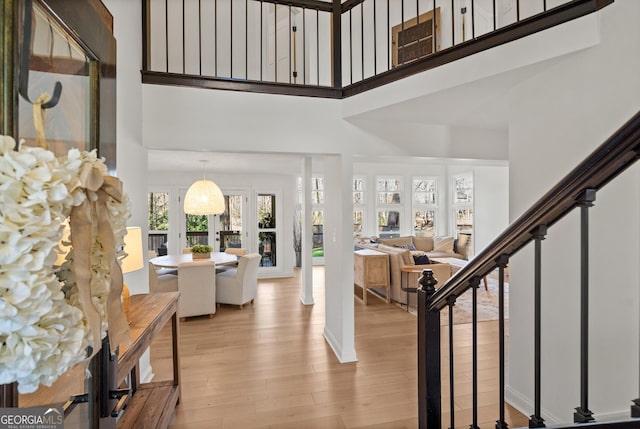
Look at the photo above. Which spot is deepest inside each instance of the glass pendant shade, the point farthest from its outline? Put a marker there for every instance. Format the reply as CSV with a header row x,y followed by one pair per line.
x,y
204,198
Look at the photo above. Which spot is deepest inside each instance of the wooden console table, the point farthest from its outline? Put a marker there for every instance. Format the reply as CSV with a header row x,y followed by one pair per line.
x,y
371,269
151,404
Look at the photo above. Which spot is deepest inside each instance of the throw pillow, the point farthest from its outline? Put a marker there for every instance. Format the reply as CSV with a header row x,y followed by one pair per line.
x,y
421,259
443,244
409,246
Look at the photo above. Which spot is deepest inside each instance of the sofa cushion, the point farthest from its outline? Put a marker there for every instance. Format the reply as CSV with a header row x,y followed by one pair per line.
x,y
397,241
443,244
423,243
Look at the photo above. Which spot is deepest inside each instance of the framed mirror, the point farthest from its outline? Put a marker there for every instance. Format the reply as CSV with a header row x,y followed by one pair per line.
x,y
64,52
64,48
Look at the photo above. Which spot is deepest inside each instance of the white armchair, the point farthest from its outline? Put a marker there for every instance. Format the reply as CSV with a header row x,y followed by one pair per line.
x,y
161,282
239,285
197,286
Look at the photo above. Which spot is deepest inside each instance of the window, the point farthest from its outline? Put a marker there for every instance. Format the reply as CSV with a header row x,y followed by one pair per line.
x,y
357,223
388,223
158,212
463,210
317,247
358,191
266,204
463,189
358,205
317,190
424,206
389,191
317,203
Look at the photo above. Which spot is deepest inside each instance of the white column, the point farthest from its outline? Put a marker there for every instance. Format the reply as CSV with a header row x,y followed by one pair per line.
x,y
306,288
338,246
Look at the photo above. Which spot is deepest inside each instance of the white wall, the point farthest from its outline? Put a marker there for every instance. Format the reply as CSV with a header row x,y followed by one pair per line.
x,y
490,200
557,118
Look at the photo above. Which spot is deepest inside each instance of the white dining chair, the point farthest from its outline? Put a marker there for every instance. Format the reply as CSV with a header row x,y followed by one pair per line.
x,y
161,282
197,286
239,285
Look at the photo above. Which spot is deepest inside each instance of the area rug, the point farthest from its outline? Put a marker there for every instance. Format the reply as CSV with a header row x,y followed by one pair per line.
x,y
487,305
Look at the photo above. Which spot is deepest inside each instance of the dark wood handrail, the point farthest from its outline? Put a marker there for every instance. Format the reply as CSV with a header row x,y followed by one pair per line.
x,y
610,159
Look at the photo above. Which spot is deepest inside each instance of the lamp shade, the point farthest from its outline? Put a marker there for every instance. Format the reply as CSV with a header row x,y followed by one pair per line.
x,y
133,261
204,198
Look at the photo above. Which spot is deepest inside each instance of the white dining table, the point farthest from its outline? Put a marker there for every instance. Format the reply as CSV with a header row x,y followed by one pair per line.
x,y
172,261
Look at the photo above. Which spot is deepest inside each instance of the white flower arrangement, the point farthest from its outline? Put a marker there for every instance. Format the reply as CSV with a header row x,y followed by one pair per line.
x,y
42,332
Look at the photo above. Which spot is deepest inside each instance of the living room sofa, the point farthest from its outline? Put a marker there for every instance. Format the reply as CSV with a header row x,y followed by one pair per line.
x,y
434,247
401,251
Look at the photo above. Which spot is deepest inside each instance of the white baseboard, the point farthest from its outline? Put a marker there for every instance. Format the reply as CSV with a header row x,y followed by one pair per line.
x,y
526,406
611,417
306,300
337,348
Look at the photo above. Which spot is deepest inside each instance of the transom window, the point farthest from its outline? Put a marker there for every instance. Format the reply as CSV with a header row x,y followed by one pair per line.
x,y
389,191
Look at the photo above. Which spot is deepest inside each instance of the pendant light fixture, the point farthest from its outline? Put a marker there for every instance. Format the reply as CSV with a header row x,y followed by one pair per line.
x,y
204,197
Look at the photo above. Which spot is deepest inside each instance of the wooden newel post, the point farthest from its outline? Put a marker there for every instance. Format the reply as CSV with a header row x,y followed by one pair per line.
x,y
429,377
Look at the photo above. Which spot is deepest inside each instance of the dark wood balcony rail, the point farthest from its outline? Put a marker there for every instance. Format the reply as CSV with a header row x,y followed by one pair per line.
x,y
292,47
576,190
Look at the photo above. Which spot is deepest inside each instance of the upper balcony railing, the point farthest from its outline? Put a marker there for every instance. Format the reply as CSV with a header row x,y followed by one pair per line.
x,y
293,47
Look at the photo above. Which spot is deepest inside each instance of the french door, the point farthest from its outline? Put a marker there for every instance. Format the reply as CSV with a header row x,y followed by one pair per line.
x,y
230,226
218,231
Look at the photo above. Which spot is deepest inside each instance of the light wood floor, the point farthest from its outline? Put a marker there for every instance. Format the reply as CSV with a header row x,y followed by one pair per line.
x,y
268,366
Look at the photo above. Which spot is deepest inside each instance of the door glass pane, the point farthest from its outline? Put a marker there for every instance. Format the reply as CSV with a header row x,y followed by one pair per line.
x,y
231,222
158,210
317,247
197,230
267,229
